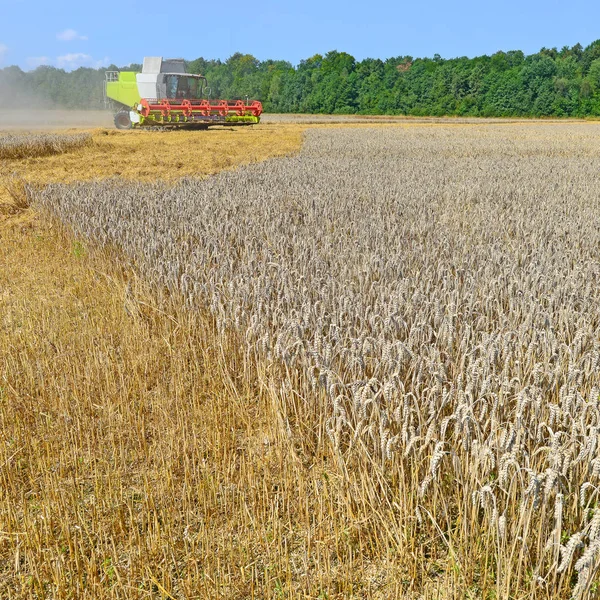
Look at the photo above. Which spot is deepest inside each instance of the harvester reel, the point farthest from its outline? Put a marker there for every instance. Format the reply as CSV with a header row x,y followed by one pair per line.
x,y
186,108
145,110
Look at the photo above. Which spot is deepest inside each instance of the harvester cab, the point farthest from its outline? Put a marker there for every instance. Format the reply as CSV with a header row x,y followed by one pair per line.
x,y
164,95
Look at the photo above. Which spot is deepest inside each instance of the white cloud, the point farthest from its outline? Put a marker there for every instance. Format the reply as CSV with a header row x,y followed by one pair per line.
x,y
73,60
70,35
78,59
36,61
3,51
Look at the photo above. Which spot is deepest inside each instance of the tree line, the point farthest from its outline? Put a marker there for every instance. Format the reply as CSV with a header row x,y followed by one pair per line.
x,y
552,82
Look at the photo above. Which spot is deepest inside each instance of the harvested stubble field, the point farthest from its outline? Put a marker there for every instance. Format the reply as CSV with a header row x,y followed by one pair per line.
x,y
368,370
140,155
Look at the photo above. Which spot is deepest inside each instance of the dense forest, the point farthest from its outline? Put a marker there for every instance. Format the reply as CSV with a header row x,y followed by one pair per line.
x,y
552,82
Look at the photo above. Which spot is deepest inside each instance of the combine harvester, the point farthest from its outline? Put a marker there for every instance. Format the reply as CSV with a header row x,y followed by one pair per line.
x,y
164,95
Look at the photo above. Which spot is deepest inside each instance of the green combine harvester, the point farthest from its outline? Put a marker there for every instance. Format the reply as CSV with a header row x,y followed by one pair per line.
x,y
164,95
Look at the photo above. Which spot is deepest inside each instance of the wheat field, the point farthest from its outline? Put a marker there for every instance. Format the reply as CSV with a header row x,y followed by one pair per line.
x,y
36,145
366,370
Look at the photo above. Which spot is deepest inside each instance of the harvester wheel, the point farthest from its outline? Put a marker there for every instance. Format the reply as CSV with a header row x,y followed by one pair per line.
x,y
122,120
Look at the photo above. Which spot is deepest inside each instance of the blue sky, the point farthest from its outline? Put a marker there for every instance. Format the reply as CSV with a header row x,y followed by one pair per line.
x,y
69,34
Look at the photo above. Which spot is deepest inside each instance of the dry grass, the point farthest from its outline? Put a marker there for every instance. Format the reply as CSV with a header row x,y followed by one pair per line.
x,y
15,190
